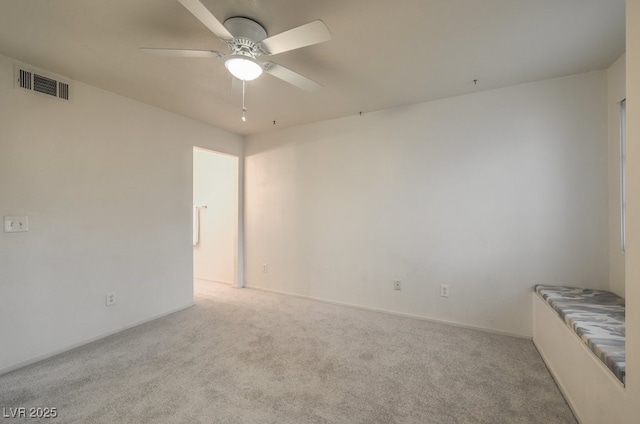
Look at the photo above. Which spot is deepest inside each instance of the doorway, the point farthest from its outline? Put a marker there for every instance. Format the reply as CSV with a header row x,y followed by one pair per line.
x,y
215,217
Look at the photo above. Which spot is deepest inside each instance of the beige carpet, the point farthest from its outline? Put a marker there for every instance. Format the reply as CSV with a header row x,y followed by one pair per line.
x,y
245,356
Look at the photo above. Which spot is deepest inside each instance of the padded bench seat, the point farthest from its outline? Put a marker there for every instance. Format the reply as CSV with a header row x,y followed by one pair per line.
x,y
597,317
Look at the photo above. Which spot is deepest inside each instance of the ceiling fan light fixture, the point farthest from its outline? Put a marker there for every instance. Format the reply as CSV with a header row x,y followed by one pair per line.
x,y
243,67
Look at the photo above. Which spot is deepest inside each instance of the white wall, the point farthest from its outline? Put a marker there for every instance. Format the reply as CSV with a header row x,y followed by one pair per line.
x,y
107,185
616,92
490,193
215,184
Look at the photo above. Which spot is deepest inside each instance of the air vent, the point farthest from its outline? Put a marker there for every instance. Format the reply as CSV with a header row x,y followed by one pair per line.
x,y
63,90
41,82
45,85
25,79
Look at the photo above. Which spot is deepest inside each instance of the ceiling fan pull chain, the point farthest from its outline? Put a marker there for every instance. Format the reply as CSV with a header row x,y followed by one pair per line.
x,y
244,108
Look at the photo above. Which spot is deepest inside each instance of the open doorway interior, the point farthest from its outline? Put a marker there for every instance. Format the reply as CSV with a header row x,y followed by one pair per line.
x,y
215,218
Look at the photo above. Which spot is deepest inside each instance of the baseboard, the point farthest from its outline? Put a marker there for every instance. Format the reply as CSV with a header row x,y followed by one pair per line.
x,y
72,346
395,313
227,283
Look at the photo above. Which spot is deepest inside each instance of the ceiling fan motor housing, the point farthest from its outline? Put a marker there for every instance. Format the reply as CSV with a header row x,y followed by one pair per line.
x,y
247,35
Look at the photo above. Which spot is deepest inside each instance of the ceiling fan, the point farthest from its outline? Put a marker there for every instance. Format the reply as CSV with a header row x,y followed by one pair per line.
x,y
247,40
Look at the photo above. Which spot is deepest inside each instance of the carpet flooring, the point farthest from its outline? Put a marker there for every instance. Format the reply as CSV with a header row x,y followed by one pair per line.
x,y
246,356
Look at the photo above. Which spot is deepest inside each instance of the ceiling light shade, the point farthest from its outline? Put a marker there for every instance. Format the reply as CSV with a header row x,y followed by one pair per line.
x,y
243,67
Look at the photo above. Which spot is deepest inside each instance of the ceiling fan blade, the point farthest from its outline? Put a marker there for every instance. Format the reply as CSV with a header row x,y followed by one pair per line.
x,y
293,78
182,52
198,10
306,35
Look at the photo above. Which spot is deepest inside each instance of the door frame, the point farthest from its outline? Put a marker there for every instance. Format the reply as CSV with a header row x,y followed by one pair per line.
x,y
238,260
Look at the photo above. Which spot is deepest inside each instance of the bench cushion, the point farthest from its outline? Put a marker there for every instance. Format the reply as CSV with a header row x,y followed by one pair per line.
x,y
597,317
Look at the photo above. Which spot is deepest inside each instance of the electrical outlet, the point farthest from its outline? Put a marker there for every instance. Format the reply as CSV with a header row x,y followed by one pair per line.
x,y
16,223
265,268
397,284
444,290
111,299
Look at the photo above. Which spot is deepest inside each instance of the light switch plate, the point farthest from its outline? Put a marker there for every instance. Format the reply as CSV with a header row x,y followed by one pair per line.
x,y
16,223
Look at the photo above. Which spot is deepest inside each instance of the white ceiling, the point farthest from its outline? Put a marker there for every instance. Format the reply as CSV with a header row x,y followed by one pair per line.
x,y
383,54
